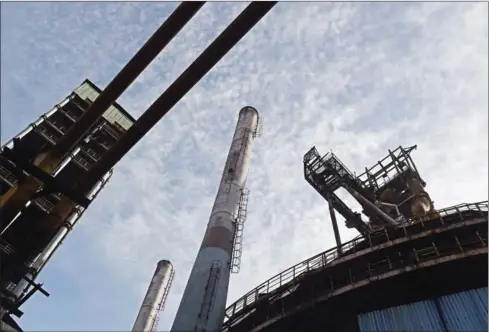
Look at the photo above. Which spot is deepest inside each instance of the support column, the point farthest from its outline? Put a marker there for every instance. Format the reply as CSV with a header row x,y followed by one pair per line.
x,y
335,225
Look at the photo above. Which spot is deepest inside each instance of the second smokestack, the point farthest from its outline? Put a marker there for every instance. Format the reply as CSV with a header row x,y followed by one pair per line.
x,y
155,297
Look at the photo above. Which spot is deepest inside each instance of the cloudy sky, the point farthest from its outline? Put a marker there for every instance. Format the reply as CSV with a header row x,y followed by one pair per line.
x,y
355,78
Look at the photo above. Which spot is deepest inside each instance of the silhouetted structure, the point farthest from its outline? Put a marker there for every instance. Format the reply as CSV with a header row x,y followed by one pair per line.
x,y
413,268
23,255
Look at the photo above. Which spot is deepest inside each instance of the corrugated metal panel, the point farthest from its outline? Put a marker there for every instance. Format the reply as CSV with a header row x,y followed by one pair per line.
x,y
419,316
465,311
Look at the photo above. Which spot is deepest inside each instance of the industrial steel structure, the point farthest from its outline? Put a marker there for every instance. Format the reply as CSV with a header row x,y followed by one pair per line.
x,y
155,298
413,268
36,173
410,260
29,241
204,299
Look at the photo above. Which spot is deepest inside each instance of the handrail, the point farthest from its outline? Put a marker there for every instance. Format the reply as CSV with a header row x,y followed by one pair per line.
x,y
326,257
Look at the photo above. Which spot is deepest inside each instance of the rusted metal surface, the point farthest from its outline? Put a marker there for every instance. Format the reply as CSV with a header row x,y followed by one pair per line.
x,y
18,196
219,237
145,55
463,215
302,307
224,42
203,303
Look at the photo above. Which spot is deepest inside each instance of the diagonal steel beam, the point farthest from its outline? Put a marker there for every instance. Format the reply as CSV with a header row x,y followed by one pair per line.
x,y
17,197
203,64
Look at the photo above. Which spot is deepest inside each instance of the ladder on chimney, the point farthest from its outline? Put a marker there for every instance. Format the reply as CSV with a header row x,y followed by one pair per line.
x,y
238,231
161,305
258,131
210,290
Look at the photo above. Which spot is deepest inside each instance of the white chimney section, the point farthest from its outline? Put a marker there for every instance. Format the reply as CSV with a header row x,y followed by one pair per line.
x,y
204,299
154,300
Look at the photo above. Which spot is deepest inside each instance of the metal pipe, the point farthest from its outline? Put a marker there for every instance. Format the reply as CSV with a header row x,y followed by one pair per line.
x,y
392,206
13,201
67,160
30,127
223,43
155,297
335,225
43,258
211,55
46,255
371,205
146,54
75,152
57,170
203,302
248,18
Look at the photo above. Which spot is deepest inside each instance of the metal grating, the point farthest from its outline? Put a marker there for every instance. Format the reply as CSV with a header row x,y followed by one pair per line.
x,y
7,176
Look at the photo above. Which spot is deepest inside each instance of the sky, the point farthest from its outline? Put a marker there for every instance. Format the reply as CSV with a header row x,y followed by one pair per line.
x,y
354,78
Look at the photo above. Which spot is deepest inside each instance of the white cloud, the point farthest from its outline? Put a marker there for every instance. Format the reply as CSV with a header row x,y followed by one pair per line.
x,y
356,78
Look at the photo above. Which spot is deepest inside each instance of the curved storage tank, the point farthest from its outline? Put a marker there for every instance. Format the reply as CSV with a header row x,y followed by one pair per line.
x,y
428,275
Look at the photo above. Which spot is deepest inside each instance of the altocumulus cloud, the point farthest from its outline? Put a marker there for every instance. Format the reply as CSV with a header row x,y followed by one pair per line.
x,y
356,78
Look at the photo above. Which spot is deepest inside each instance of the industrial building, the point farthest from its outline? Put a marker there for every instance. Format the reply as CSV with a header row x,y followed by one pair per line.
x,y
53,170
412,268
28,242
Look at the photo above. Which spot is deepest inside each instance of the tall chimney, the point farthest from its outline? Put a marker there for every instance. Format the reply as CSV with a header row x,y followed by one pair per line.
x,y
155,297
204,299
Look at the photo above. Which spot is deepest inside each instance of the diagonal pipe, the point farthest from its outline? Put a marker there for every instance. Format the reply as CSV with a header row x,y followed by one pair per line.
x,y
17,197
250,16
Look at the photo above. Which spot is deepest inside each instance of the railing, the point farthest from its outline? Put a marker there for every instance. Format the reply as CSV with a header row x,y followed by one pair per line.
x,y
44,204
336,282
6,247
330,255
46,134
109,130
7,176
82,162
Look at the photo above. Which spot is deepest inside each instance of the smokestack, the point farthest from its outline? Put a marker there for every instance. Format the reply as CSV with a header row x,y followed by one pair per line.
x,y
154,300
204,299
